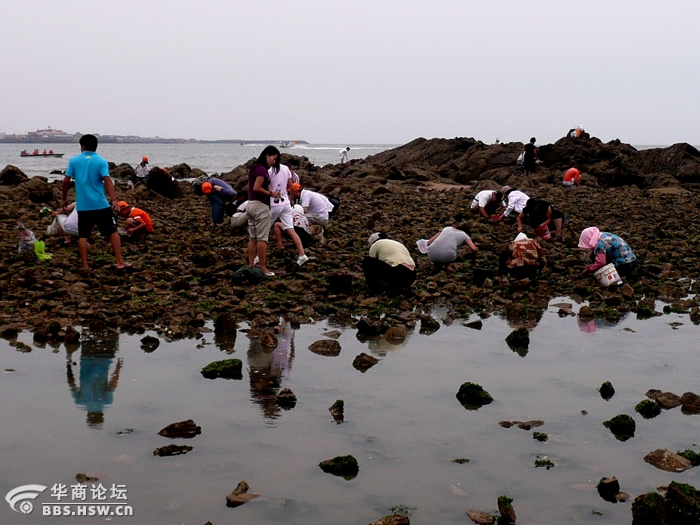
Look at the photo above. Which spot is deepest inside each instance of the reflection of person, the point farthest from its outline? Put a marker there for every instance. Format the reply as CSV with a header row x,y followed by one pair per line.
x,y
443,246
606,248
530,159
96,387
343,154
219,193
524,258
389,266
91,174
486,203
258,211
268,368
539,213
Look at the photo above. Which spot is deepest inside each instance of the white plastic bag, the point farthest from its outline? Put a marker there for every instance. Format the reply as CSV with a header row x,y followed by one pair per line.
x,y
26,241
54,229
521,159
422,245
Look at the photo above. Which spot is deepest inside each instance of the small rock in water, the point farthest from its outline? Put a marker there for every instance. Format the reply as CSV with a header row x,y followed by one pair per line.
x,y
528,425
226,368
326,347
172,450
335,334
475,325
395,335
606,390
505,507
337,410
666,460
480,518
473,396
460,461
343,466
84,478
691,403
268,340
397,519
240,495
622,427
286,398
183,430
364,362
149,343
428,325
608,488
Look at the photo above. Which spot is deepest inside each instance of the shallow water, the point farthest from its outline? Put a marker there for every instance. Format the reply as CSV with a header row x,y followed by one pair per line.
x,y
211,158
403,423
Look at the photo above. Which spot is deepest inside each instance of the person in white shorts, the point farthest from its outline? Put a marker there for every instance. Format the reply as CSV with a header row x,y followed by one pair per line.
x,y
281,209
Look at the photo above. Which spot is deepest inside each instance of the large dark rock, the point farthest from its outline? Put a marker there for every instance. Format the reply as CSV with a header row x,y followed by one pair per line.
x,y
180,171
162,183
122,171
12,176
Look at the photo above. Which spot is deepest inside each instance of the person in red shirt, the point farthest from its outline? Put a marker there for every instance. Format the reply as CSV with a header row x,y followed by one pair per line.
x,y
137,221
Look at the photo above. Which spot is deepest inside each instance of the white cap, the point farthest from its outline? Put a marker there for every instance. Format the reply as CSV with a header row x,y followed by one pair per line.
x,y
373,238
298,208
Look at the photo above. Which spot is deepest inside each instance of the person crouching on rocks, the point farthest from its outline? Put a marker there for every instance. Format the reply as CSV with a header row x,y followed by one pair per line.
x,y
443,246
487,203
516,202
388,266
317,207
572,176
219,194
606,248
524,258
539,214
138,223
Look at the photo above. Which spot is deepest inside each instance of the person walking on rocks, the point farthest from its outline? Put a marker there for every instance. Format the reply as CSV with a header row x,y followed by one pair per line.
x,y
91,175
443,246
606,248
258,210
388,266
530,159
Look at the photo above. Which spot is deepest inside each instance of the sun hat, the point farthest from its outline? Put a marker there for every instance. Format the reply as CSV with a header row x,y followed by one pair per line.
x,y
373,238
206,188
589,238
504,189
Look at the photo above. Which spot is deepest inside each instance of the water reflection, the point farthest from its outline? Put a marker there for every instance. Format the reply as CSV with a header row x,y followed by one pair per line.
x,y
591,326
268,367
95,387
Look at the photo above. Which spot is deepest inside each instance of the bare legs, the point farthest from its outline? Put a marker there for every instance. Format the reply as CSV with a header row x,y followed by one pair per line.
x,y
116,248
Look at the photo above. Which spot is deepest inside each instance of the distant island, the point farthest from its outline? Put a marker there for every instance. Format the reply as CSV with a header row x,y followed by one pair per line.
x,y
53,136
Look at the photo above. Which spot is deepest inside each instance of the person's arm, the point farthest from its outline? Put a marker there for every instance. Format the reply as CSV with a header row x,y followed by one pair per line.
x,y
433,238
549,217
482,212
140,226
109,186
65,186
473,250
258,188
599,262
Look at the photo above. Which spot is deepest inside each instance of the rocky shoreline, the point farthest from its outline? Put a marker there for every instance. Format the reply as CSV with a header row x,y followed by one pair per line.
x,y
183,273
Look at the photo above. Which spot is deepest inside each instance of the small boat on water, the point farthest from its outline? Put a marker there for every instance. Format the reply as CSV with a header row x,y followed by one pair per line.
x,y
36,153
289,144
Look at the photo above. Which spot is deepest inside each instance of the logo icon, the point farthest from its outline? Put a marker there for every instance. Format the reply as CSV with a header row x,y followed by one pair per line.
x,y
22,495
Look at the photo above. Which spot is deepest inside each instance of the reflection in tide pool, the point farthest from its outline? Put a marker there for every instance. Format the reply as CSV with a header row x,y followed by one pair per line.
x,y
403,422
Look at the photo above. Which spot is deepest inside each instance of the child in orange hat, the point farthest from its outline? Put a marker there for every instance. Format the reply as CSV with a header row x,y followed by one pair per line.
x,y
137,221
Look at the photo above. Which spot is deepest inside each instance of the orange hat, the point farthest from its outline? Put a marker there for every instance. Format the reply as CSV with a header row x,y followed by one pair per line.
x,y
145,159
206,188
296,186
123,204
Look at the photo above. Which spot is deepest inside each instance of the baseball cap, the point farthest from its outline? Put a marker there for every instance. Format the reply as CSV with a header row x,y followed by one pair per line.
x,y
296,186
145,159
206,188
123,204
373,238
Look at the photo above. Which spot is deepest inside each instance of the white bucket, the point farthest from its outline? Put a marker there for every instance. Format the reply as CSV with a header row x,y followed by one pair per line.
x,y
607,275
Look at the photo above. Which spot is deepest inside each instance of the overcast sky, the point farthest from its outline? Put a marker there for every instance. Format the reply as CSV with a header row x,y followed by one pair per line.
x,y
363,71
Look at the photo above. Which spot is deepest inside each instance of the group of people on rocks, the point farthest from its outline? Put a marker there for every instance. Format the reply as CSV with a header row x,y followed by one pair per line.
x,y
269,204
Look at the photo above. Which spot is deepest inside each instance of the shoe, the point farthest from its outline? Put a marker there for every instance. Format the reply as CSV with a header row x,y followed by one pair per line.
x,y
270,274
303,259
256,260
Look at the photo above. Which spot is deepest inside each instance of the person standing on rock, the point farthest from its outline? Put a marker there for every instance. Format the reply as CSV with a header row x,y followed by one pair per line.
x,y
487,202
219,194
343,154
443,246
258,210
388,266
530,160
91,174
280,208
141,173
606,248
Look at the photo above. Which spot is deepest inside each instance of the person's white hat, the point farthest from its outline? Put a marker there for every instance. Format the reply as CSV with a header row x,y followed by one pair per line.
x,y
373,238
298,208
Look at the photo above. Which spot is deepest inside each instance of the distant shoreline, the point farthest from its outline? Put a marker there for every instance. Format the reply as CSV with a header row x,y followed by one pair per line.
x,y
118,139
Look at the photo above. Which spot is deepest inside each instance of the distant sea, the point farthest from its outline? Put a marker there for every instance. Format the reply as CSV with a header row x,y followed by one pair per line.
x,y
210,158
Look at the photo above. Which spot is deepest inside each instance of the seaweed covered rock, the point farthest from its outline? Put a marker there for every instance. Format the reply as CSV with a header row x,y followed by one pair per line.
x,y
505,508
172,450
396,519
518,339
682,503
337,410
182,429
226,368
606,390
343,466
472,396
649,509
622,426
648,409
12,176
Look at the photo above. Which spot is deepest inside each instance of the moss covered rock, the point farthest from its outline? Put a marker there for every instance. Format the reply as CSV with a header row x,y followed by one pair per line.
x,y
518,339
648,409
622,426
343,466
606,390
473,396
226,368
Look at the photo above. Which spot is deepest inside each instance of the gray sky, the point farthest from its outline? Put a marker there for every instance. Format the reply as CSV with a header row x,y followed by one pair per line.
x,y
364,71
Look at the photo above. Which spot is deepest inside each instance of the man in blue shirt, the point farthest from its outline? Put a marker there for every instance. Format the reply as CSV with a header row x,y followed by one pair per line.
x,y
91,174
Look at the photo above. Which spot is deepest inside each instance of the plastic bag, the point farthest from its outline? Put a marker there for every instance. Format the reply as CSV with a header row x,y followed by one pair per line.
x,y
54,229
422,245
521,159
26,240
